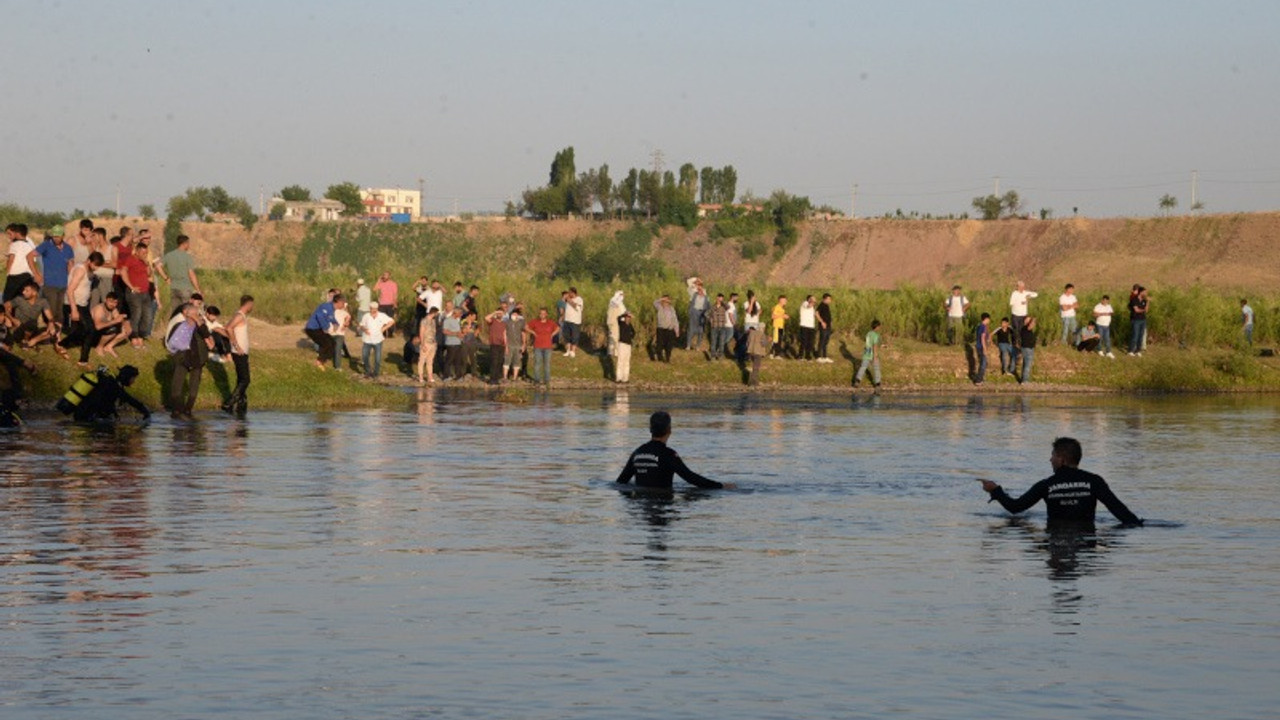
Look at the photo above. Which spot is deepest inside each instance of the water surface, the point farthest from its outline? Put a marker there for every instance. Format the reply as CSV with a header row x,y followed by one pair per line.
x,y
472,559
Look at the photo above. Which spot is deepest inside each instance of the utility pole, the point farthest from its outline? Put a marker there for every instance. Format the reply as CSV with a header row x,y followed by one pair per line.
x,y
853,202
997,191
657,163
1195,178
422,197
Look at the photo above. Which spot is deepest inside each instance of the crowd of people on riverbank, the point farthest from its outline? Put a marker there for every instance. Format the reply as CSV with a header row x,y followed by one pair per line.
x,y
449,331
92,294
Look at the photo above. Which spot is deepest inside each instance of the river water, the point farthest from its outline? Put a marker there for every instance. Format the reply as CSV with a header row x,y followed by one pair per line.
x,y
469,558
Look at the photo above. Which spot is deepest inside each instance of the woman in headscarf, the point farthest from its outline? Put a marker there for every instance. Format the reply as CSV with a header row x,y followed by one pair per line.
x,y
617,308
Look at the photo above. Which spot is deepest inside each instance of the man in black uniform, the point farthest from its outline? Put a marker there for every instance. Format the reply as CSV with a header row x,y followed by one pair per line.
x,y
653,463
1071,495
102,401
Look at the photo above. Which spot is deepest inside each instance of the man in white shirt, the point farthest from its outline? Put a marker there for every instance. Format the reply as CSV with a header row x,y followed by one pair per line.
x,y
22,262
572,322
434,297
373,329
1102,313
957,305
364,298
808,327
1067,303
1018,301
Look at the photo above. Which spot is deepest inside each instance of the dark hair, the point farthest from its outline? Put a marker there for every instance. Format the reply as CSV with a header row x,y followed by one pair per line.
x,y
826,295
111,296
96,258
87,223
197,296
213,311
875,324
985,316
100,231
31,284
1004,319
1106,297
660,423
339,296
1068,286
246,299
18,228
181,240
1069,449
573,290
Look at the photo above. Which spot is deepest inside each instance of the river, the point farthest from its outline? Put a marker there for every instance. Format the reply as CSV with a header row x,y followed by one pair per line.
x,y
469,558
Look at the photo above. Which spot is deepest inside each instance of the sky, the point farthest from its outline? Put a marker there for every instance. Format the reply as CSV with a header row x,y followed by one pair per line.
x,y
1092,107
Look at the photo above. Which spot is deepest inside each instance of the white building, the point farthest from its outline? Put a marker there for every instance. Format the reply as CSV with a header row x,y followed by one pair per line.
x,y
307,210
385,202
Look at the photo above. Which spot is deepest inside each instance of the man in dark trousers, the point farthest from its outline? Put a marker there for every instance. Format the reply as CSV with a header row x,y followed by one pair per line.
x,y
653,464
1071,494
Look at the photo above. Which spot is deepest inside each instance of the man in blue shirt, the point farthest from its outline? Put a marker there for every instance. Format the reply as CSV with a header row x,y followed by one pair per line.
x,y
56,257
319,324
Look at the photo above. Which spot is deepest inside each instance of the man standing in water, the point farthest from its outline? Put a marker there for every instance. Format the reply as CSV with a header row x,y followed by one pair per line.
x,y
1071,494
653,464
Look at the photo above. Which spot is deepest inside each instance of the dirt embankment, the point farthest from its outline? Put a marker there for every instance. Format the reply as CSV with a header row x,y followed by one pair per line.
x,y
1226,252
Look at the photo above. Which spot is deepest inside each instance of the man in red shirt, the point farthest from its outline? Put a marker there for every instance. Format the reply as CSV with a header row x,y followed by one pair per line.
x,y
544,330
136,275
497,342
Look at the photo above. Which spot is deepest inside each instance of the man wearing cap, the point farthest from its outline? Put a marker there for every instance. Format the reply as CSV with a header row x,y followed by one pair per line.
x,y
364,298
56,259
653,464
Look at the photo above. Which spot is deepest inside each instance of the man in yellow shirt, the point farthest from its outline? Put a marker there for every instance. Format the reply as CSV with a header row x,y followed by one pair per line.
x,y
780,326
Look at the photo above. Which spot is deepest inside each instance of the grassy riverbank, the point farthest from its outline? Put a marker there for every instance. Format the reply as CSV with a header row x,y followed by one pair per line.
x,y
282,380
287,379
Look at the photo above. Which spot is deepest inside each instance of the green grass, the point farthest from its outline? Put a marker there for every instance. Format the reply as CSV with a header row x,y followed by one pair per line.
x,y
282,380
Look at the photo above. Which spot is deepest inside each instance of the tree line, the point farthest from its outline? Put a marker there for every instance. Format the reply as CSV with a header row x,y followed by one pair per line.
x,y
672,197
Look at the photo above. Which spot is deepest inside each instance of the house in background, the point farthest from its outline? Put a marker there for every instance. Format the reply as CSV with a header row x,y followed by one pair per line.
x,y
394,204
309,210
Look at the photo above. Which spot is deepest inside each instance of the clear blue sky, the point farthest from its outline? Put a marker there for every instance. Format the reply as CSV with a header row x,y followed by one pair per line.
x,y
1103,106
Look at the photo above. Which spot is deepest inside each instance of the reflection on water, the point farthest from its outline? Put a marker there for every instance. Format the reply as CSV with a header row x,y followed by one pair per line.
x,y
377,564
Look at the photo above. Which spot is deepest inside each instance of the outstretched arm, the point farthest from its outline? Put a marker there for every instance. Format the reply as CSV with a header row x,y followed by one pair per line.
x,y
1015,505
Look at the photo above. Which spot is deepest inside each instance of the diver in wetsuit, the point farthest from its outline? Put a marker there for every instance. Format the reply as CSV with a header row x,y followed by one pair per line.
x,y
1071,495
653,464
101,403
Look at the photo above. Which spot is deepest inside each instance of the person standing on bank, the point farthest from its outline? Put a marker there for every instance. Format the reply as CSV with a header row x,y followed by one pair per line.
x,y
757,347
374,329
653,464
180,267
622,357
824,328
1071,495
188,344
1027,348
1018,301
957,306
981,345
238,331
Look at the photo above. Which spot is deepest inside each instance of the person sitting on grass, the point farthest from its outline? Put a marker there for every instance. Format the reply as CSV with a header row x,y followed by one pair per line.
x,y
25,312
110,326
1089,338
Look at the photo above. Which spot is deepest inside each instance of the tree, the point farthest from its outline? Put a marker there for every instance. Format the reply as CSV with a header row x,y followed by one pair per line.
x,y
147,211
628,190
787,211
277,211
689,181
650,186
706,188
295,193
994,207
1168,203
172,229
582,195
726,185
604,190
562,170
347,193
544,203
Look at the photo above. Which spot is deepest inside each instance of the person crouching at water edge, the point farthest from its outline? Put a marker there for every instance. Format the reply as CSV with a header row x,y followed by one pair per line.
x,y
653,464
1071,495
